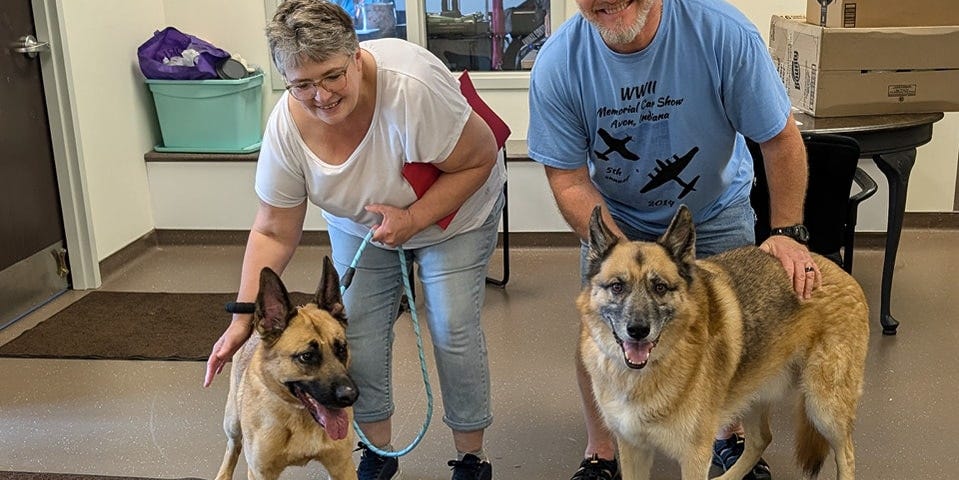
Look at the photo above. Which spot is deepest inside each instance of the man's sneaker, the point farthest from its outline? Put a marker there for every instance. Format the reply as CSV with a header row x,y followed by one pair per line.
x,y
376,467
471,468
726,452
595,468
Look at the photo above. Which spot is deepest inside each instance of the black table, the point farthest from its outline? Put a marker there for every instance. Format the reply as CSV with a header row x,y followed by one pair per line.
x,y
891,142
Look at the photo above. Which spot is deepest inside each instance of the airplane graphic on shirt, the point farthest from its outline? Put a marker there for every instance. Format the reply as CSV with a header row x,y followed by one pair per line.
x,y
667,171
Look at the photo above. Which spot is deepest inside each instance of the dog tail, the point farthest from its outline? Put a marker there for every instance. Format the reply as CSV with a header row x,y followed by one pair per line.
x,y
811,446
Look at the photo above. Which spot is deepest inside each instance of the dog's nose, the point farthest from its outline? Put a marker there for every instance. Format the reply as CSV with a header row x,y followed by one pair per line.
x,y
346,395
637,331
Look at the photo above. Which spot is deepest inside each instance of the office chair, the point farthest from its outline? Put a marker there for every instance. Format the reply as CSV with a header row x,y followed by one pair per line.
x,y
830,212
501,131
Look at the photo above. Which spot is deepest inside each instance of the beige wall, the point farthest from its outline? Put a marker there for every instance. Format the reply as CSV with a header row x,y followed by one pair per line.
x,y
116,120
117,125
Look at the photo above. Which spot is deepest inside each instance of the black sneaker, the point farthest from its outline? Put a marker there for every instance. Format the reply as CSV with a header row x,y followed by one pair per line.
x,y
595,468
471,468
726,452
376,467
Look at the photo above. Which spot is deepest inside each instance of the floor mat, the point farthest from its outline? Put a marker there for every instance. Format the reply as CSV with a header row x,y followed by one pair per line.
x,y
67,476
131,326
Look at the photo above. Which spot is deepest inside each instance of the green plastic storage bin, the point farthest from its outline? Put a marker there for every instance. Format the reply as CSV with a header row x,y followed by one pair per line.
x,y
209,116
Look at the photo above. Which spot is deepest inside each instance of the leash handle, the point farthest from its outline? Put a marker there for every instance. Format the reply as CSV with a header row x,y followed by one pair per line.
x,y
240,307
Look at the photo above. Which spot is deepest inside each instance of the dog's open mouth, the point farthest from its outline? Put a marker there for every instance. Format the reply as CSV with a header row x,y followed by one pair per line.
x,y
636,354
334,420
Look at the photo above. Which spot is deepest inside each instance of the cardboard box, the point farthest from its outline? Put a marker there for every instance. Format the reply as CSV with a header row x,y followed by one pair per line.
x,y
832,72
884,13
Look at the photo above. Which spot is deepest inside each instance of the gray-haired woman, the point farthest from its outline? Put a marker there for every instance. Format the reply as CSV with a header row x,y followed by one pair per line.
x,y
353,117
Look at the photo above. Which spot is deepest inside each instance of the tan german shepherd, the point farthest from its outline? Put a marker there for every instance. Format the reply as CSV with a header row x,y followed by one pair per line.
x,y
677,347
290,390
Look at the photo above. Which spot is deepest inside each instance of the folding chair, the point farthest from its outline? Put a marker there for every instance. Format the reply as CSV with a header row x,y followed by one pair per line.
x,y
501,132
830,211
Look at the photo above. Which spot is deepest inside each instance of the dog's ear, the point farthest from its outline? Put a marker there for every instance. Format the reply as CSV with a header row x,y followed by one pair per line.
x,y
680,240
273,306
328,295
601,240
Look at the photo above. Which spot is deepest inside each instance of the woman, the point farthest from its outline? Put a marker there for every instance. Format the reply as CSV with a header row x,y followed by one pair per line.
x,y
352,117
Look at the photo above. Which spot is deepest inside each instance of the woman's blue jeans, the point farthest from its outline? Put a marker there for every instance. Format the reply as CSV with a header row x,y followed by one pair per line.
x,y
453,278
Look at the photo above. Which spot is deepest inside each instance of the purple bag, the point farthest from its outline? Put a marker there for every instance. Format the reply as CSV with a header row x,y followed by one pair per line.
x,y
170,43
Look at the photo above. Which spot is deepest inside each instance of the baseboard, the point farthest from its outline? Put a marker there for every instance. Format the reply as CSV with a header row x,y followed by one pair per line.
x,y
320,238
931,220
125,255
155,238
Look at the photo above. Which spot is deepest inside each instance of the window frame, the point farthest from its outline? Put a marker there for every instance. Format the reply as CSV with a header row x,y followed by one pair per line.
x,y
416,33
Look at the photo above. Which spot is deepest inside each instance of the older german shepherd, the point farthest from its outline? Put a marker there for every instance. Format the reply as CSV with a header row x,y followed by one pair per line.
x,y
677,348
290,391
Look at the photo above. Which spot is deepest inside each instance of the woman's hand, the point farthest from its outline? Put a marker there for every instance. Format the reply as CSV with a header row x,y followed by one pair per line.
x,y
397,226
224,348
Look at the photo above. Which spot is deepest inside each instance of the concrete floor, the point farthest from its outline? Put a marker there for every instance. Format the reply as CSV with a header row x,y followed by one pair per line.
x,y
154,419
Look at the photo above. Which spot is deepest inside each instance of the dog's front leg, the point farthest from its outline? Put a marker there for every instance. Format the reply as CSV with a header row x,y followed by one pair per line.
x,y
635,459
339,463
695,460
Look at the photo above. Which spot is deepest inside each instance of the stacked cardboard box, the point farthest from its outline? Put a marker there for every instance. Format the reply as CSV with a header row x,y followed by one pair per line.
x,y
882,13
833,72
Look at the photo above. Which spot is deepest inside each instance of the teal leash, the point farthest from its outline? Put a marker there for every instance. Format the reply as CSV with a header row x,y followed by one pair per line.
x,y
344,283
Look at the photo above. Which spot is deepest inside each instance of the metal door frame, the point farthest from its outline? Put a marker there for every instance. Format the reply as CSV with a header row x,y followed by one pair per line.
x,y
68,159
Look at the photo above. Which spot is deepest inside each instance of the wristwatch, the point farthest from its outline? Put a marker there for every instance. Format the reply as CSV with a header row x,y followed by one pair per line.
x,y
797,232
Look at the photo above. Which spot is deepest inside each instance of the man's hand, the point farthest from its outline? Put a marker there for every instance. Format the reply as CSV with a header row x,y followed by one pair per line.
x,y
798,263
224,348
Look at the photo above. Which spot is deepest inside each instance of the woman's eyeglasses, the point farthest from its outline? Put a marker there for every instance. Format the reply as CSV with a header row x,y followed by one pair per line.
x,y
334,82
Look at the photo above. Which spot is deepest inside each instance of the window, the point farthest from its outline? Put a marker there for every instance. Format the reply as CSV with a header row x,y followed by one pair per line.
x,y
477,35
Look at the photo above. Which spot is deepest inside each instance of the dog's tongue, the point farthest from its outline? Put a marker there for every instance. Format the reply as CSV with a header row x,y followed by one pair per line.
x,y
333,420
637,353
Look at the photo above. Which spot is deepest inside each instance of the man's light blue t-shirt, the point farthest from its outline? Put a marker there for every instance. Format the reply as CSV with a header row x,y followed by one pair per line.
x,y
663,126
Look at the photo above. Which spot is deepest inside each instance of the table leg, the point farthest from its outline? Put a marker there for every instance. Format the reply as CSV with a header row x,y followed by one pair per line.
x,y
896,167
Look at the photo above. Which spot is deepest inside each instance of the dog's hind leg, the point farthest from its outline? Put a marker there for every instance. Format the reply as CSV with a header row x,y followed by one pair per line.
x,y
635,461
758,437
826,420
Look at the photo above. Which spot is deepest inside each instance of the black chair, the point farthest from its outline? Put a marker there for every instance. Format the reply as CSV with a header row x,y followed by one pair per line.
x,y
830,211
501,131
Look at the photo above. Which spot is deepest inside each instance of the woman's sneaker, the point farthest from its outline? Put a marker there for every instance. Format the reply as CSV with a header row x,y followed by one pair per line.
x,y
471,468
595,468
376,467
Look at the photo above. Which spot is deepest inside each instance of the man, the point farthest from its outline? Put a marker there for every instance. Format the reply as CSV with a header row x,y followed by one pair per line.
x,y
643,105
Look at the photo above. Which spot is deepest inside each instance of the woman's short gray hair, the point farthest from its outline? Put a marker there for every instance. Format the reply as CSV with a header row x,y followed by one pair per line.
x,y
304,31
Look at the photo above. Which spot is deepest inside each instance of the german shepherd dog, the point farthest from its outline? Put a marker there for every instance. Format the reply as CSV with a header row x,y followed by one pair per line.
x,y
290,391
677,348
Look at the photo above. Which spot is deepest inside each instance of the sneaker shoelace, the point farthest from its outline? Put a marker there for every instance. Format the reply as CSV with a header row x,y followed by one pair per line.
x,y
468,467
371,464
595,468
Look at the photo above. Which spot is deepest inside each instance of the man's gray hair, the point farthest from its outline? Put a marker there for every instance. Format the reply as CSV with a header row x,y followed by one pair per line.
x,y
304,31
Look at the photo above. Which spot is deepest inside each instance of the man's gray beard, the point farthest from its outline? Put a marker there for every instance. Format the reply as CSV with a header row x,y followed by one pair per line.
x,y
622,37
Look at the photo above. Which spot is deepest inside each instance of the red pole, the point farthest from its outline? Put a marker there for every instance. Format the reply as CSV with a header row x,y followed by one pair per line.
x,y
499,32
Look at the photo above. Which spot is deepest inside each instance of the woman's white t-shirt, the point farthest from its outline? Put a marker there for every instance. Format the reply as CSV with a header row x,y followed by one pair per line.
x,y
419,116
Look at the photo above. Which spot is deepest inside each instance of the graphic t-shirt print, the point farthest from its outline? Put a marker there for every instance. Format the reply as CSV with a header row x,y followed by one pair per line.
x,y
632,146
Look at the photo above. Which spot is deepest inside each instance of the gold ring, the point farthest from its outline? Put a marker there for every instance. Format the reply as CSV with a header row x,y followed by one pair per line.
x,y
810,269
